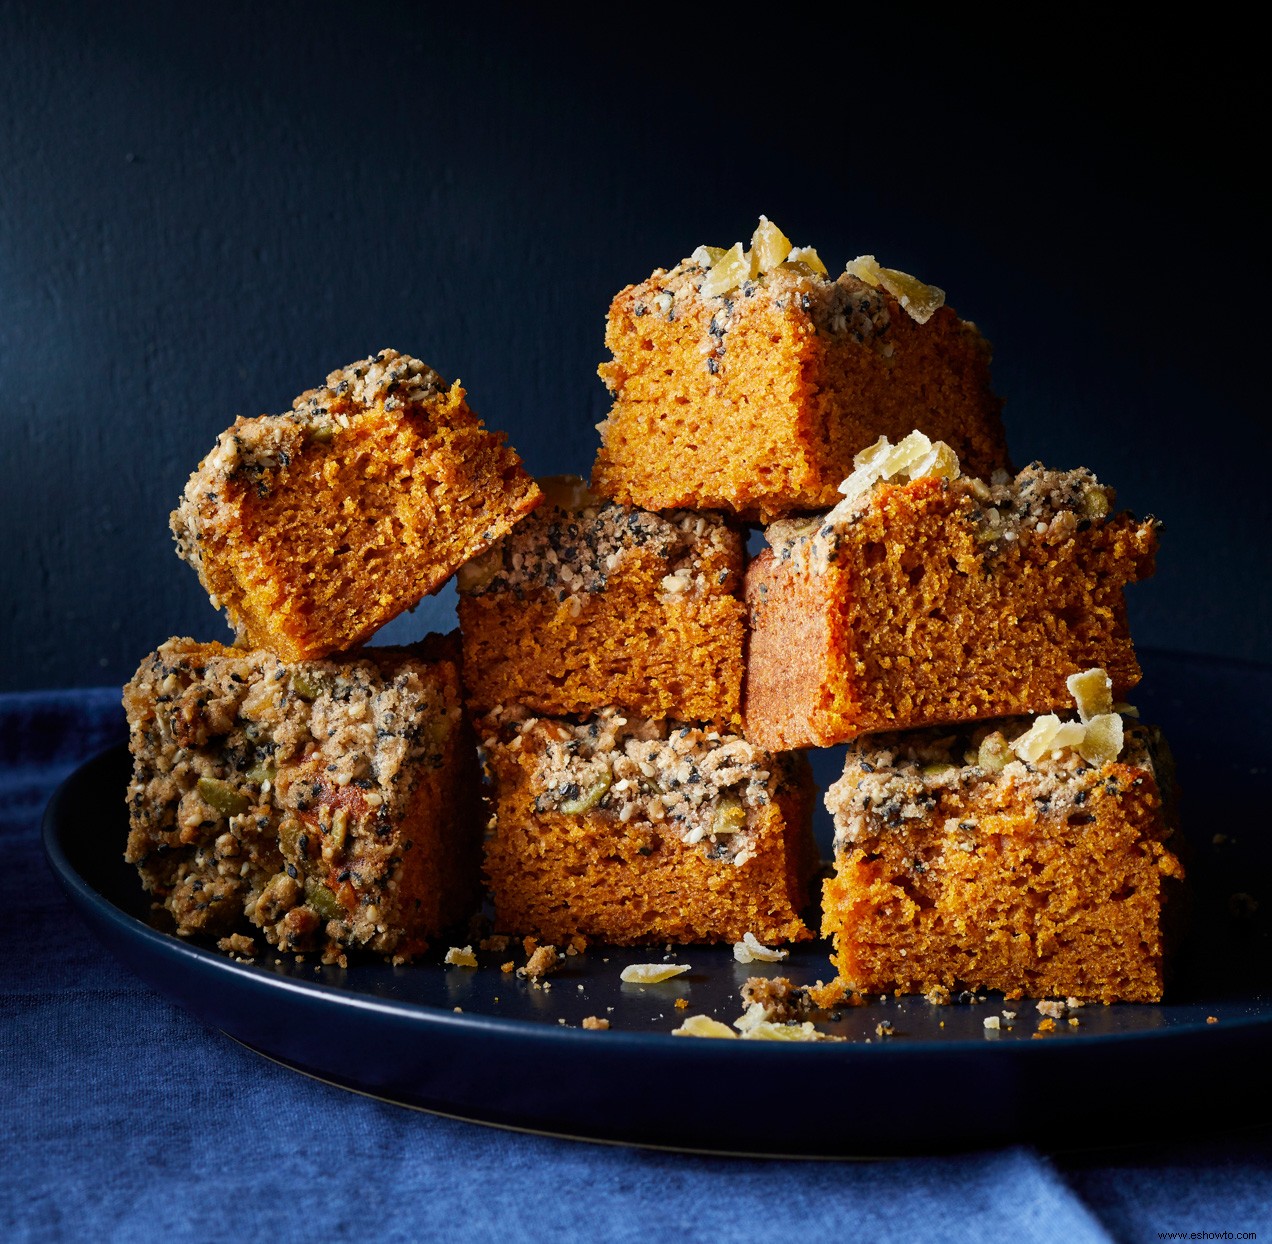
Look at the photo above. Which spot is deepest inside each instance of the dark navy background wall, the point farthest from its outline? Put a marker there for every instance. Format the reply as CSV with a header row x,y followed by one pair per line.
x,y
203,209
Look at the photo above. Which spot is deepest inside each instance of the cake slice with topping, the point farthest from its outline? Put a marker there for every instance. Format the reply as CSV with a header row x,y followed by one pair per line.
x,y
588,602
1037,856
314,528
745,379
631,830
928,596
324,805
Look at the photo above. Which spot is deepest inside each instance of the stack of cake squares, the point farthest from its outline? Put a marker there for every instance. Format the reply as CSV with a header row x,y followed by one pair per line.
x,y
297,786
618,737
646,702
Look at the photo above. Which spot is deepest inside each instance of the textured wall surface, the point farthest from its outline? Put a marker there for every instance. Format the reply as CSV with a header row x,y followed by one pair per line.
x,y
205,209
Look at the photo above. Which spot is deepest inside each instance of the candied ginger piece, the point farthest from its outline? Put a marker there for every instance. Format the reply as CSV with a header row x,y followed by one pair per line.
x,y
914,457
771,249
1098,741
1102,743
703,1026
756,1013
920,301
1048,734
769,245
808,256
940,462
651,973
729,271
751,950
769,1031
1092,691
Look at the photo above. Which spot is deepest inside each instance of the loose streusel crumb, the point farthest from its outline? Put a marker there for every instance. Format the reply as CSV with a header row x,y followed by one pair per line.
x,y
756,1024
594,1023
542,962
238,944
461,957
781,999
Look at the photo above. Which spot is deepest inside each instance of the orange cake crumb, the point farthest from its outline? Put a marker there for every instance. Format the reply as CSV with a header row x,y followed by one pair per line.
x,y
750,393
938,598
587,602
632,831
960,864
315,527
331,804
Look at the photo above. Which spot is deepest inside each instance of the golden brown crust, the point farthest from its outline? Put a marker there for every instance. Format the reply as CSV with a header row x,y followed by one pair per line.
x,y
755,403
314,528
914,612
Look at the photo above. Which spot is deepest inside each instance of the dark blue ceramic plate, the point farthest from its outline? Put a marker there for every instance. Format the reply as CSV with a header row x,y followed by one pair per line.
x,y
489,1047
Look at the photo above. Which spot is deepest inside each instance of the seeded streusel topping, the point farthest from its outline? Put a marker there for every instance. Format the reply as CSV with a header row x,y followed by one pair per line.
x,y
1038,504
576,541
254,781
846,307
892,781
223,732
390,377
855,305
701,783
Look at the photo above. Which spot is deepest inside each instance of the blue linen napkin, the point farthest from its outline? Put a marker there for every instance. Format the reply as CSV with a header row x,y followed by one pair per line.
x,y
124,1119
